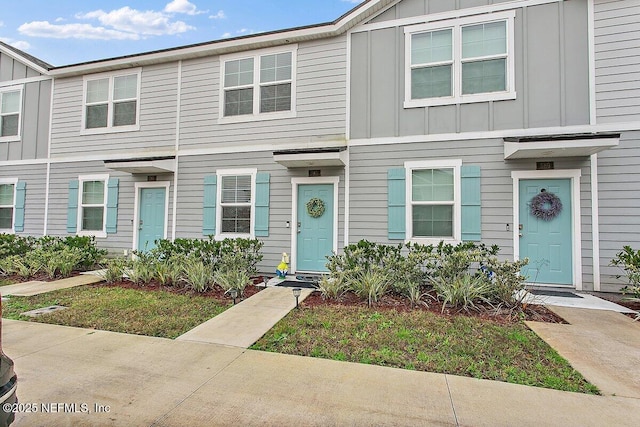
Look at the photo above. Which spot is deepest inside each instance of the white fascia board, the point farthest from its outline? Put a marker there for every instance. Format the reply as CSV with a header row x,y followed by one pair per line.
x,y
24,60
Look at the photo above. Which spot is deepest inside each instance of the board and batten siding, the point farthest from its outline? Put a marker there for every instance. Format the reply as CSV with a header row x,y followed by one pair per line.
x,y
62,173
369,193
12,69
158,104
320,104
617,60
551,76
35,178
618,181
193,169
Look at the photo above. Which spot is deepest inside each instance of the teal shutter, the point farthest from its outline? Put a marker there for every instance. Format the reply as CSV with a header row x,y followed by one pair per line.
x,y
72,207
470,196
396,203
21,189
209,207
262,205
112,205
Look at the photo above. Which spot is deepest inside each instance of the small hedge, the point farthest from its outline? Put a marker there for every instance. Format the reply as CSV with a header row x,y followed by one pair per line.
x,y
460,275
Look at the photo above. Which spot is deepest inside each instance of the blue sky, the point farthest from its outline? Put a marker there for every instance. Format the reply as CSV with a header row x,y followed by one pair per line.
x,y
63,32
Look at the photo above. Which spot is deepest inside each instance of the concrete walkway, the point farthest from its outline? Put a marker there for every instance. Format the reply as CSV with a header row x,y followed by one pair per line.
x,y
111,379
36,287
603,345
244,324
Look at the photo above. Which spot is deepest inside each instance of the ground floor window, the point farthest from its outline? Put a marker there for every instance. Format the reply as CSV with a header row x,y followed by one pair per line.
x,y
236,202
7,202
92,204
433,200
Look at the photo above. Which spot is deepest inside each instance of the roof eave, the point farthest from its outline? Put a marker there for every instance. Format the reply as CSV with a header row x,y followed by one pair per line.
x,y
258,41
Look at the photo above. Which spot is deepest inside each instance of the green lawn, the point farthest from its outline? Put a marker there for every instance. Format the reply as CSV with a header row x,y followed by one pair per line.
x,y
143,312
424,341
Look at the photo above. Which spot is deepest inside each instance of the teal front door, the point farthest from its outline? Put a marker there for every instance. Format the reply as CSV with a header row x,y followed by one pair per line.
x,y
315,234
547,242
151,224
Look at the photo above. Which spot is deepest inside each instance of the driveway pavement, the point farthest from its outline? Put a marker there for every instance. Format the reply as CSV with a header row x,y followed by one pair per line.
x,y
72,376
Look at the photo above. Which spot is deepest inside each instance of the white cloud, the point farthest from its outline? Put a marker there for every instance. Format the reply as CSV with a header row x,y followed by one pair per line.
x,y
226,35
183,6
138,22
219,15
75,31
60,19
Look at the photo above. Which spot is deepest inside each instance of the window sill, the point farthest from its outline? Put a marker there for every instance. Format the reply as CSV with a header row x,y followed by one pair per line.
x,y
433,240
12,138
7,231
117,129
256,117
96,234
465,99
234,236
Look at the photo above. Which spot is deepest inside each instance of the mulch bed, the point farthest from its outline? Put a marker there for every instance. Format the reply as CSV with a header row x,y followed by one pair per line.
x,y
40,277
531,312
620,300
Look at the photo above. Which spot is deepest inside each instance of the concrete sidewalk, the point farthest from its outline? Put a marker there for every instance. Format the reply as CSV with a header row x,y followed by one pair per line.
x,y
36,287
603,345
244,324
111,379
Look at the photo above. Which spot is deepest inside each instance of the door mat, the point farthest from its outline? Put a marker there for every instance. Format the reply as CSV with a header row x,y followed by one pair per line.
x,y
294,284
546,293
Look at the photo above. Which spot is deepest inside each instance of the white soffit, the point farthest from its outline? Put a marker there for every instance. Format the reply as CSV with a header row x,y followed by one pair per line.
x,y
143,166
310,159
558,146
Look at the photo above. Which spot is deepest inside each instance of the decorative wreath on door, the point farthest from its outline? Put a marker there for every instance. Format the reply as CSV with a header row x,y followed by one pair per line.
x,y
545,206
315,207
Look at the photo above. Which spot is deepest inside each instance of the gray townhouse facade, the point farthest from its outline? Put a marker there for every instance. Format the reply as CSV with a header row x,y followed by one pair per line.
x,y
512,123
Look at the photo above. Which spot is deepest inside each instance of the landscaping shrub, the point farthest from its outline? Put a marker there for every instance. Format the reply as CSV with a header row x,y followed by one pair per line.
x,y
629,261
141,269
12,244
197,274
210,251
114,269
169,271
461,275
234,272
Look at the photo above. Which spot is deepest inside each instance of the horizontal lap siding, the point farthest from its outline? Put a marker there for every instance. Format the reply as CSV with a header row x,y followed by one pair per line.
x,y
35,177
192,171
551,76
618,181
368,194
158,100
62,173
617,61
320,109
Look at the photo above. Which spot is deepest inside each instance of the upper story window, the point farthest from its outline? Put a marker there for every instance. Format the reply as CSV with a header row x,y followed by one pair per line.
x,y
92,205
112,102
7,205
433,200
10,108
259,86
460,61
236,200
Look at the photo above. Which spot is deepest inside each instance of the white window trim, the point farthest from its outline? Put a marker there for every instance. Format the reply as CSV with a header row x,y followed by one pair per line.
x,y
456,165
95,233
257,116
235,172
456,25
13,181
18,137
110,128
139,186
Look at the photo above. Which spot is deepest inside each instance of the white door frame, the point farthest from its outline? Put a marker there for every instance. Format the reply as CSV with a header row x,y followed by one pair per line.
x,y
136,207
576,238
295,182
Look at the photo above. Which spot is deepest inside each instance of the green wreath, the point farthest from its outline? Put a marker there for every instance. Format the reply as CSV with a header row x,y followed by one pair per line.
x,y
315,207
